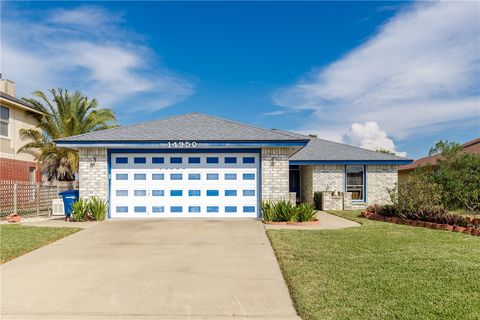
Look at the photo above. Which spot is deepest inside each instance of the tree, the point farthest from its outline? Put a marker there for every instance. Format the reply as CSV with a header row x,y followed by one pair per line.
x,y
459,174
63,116
383,150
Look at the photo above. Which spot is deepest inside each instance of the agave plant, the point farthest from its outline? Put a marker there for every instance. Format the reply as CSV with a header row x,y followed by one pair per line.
x,y
268,212
285,211
97,208
305,212
80,210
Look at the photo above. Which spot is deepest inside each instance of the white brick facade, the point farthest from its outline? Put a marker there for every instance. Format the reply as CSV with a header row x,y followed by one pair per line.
x,y
275,177
275,174
379,178
328,177
93,174
332,178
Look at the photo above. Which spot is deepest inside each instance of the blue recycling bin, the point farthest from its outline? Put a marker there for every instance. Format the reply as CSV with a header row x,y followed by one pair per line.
x,y
69,197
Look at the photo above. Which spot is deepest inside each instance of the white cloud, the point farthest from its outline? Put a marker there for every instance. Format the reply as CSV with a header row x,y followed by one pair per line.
x,y
419,70
85,16
87,48
273,113
370,136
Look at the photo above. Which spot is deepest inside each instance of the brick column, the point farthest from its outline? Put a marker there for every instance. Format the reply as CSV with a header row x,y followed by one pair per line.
x,y
93,174
275,169
379,178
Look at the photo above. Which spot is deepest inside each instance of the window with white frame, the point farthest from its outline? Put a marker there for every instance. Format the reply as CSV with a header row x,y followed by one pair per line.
x,y
4,121
355,182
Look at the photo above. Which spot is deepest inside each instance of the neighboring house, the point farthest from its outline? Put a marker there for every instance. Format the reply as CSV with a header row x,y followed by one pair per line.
x,y
404,171
14,117
197,165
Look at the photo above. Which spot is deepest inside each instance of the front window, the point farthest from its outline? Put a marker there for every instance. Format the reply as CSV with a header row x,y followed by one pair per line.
x,y
4,121
355,182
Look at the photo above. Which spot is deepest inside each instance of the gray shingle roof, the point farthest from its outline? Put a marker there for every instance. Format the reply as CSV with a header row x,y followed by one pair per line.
x,y
27,105
193,126
324,150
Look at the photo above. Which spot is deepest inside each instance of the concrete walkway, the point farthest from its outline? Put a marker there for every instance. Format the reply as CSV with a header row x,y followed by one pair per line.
x,y
60,222
155,269
327,221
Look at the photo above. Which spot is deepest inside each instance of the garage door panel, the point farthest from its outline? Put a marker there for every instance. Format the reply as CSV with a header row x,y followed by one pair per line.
x,y
195,185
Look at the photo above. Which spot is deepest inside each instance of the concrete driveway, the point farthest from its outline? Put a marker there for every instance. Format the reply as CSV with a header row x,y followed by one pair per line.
x,y
150,269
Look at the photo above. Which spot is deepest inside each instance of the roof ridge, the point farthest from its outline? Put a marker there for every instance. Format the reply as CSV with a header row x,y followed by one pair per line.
x,y
244,124
291,134
471,142
356,147
131,125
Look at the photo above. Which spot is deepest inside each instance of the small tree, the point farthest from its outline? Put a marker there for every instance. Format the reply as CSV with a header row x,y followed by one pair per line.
x,y
419,192
459,174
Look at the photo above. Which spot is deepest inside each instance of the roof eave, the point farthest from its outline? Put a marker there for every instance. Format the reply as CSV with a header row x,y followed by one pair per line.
x,y
344,162
168,144
16,104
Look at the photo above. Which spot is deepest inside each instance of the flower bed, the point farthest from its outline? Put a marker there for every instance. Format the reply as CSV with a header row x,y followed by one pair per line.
x,y
473,228
294,223
284,212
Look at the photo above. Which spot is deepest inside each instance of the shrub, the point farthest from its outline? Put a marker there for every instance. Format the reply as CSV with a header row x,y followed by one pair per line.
x,y
317,200
80,210
305,212
97,208
388,210
268,212
285,211
434,214
416,194
373,208
459,174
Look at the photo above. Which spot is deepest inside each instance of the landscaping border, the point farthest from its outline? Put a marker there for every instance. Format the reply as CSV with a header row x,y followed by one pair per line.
x,y
284,223
417,223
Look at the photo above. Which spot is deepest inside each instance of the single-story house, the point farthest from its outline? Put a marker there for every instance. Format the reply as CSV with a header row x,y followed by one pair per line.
x,y
196,165
472,146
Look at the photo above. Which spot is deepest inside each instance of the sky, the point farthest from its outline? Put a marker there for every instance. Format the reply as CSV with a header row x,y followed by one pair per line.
x,y
392,75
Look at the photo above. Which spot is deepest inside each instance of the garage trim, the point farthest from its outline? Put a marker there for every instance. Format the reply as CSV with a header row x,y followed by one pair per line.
x,y
186,150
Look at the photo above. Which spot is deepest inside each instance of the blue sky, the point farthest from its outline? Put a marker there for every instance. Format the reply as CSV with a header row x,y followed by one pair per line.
x,y
396,75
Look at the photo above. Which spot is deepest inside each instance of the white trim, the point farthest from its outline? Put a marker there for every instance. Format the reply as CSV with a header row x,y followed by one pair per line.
x,y
148,201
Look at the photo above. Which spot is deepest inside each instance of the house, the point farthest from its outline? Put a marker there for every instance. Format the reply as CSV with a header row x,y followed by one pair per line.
x,y
197,165
404,171
14,117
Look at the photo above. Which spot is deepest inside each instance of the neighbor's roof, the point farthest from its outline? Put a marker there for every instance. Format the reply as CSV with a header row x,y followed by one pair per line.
x,y
18,102
324,150
472,146
193,126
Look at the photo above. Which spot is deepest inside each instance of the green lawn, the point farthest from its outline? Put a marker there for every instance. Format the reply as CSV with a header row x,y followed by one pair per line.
x,y
17,239
380,271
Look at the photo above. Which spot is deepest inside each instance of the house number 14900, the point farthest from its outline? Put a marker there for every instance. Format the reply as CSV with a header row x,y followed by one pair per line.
x,y
182,144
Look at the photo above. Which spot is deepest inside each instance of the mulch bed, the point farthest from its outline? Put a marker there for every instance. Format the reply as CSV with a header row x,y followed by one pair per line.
x,y
416,223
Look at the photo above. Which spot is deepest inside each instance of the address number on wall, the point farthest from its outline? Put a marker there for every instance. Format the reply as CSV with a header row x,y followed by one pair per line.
x,y
182,144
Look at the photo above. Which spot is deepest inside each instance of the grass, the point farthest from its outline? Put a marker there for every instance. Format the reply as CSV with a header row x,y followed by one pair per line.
x,y
380,271
17,240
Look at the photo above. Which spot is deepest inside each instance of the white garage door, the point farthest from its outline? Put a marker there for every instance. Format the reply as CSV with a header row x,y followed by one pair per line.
x,y
184,184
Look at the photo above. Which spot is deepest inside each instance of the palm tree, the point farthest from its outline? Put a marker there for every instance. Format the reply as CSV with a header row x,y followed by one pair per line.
x,y
63,116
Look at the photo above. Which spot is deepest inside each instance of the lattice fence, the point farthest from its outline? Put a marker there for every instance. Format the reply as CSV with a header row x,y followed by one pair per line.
x,y
28,199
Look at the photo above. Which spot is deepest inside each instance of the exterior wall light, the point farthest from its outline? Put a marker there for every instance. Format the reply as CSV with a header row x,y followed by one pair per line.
x,y
93,161
274,160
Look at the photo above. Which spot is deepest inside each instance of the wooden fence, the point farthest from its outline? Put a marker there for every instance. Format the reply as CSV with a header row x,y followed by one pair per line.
x,y
29,199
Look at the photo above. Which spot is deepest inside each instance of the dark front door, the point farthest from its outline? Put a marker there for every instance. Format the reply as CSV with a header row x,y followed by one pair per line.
x,y
294,181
